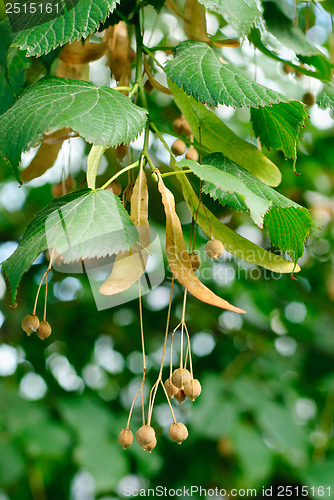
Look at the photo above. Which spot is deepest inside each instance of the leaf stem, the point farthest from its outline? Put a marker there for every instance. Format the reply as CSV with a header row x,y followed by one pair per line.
x,y
149,53
93,163
133,90
139,62
168,174
156,130
122,89
160,47
125,169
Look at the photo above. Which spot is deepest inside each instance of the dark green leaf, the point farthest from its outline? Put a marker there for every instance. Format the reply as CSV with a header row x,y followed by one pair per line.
x,y
278,126
5,40
200,70
10,87
82,224
288,224
99,114
39,34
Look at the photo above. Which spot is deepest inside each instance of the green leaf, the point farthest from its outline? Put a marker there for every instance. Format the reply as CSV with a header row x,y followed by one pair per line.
x,y
95,428
5,40
241,14
231,185
220,422
48,439
274,419
234,243
278,126
292,37
326,97
320,476
215,136
286,436
94,455
200,70
258,464
287,223
12,463
39,34
99,114
82,224
12,83
262,40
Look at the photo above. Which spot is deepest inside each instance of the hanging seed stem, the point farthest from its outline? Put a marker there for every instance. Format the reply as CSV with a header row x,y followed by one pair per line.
x,y
159,379
144,361
189,350
171,349
46,295
133,402
207,218
168,400
41,282
182,325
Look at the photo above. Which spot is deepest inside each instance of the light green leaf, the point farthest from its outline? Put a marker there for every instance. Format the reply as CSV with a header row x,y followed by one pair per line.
x,y
287,223
224,180
241,14
288,438
278,126
320,476
17,65
47,439
39,33
82,224
234,243
200,70
257,464
12,463
95,443
94,456
292,37
326,97
215,136
220,422
99,114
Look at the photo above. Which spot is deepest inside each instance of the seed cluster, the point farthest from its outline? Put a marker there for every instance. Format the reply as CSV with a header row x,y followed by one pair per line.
x,y
180,385
31,323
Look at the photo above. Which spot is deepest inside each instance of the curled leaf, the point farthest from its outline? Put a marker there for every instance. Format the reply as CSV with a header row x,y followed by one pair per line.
x,y
118,47
82,53
178,257
130,265
46,155
195,22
